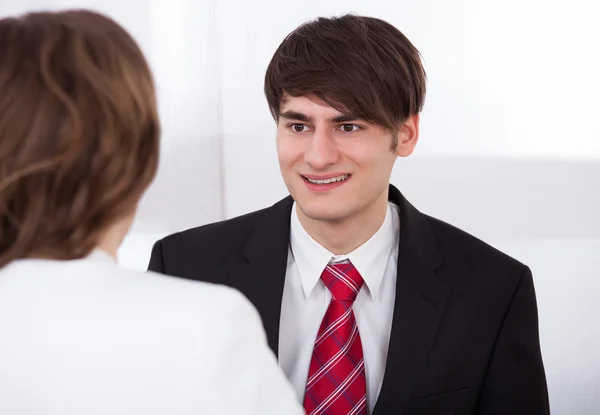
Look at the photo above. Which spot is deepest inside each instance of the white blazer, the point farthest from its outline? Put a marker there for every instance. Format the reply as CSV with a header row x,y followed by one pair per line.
x,y
86,337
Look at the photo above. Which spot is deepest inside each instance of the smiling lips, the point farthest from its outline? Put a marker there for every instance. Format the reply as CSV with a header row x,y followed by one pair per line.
x,y
328,180
325,183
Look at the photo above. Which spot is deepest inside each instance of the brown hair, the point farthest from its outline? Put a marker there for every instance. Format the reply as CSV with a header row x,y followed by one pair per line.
x,y
78,132
353,63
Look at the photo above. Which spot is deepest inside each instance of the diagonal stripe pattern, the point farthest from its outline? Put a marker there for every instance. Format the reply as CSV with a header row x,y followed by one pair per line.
x,y
336,383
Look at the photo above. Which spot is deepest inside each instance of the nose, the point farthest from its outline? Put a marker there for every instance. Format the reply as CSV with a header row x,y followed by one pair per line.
x,y
322,150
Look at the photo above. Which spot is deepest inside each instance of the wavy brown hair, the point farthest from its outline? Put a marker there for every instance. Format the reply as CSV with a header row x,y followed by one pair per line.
x,y
359,64
79,132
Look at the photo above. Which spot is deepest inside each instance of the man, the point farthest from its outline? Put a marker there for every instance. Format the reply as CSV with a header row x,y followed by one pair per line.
x,y
372,306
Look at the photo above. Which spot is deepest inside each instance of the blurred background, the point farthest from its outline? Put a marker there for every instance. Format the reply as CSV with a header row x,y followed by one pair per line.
x,y
509,147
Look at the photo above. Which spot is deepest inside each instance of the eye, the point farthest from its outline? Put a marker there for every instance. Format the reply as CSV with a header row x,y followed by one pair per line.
x,y
349,128
298,128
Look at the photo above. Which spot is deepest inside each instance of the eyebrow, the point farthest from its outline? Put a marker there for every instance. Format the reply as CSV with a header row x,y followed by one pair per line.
x,y
298,116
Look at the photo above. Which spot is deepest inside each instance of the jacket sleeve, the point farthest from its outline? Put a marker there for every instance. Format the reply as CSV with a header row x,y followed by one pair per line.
x,y
516,383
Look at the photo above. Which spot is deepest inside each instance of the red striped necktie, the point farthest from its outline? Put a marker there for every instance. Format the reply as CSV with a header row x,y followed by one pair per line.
x,y
336,382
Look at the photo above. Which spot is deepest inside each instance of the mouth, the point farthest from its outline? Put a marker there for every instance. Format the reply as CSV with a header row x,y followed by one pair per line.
x,y
329,180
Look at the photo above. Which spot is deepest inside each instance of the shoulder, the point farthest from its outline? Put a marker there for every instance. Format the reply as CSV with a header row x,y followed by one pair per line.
x,y
454,241
201,307
219,233
474,258
99,285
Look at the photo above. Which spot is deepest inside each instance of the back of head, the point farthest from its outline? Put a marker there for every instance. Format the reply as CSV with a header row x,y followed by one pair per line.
x,y
78,132
354,63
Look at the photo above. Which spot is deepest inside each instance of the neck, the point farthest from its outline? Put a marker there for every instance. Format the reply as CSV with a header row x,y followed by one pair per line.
x,y
112,238
344,236
109,248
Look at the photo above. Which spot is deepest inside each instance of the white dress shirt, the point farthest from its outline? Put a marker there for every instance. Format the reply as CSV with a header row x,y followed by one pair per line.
x,y
88,337
305,300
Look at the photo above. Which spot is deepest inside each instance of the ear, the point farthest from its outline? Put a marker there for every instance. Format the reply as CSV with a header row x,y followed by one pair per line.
x,y
408,135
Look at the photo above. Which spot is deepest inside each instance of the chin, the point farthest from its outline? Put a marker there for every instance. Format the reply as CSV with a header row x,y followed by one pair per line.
x,y
324,212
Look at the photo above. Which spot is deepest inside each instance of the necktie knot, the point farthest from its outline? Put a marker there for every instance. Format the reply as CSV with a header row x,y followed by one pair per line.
x,y
343,281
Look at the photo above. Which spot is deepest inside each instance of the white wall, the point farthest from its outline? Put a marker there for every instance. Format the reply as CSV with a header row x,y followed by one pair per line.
x,y
509,148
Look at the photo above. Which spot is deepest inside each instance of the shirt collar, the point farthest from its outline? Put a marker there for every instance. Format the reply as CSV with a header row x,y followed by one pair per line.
x,y
370,259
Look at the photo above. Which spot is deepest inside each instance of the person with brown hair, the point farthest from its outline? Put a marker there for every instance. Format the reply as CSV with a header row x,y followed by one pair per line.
x,y
372,306
79,143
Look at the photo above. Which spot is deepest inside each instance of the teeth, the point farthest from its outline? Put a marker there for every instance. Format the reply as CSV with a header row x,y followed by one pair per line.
x,y
331,180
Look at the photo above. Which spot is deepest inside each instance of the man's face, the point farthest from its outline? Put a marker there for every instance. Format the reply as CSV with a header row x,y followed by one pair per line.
x,y
334,165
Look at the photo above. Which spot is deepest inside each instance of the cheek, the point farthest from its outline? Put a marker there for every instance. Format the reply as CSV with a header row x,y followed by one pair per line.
x,y
374,165
369,156
289,152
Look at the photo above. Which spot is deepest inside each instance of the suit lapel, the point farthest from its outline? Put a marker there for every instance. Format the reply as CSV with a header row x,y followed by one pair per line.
x,y
419,306
260,273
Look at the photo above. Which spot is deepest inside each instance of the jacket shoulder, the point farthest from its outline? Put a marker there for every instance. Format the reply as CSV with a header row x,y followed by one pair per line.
x,y
220,235
459,246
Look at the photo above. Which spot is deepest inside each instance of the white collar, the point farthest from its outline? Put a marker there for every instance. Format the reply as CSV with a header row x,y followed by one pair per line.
x,y
370,259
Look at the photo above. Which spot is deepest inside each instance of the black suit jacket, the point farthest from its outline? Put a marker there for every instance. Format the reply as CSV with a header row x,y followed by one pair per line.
x,y
464,336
